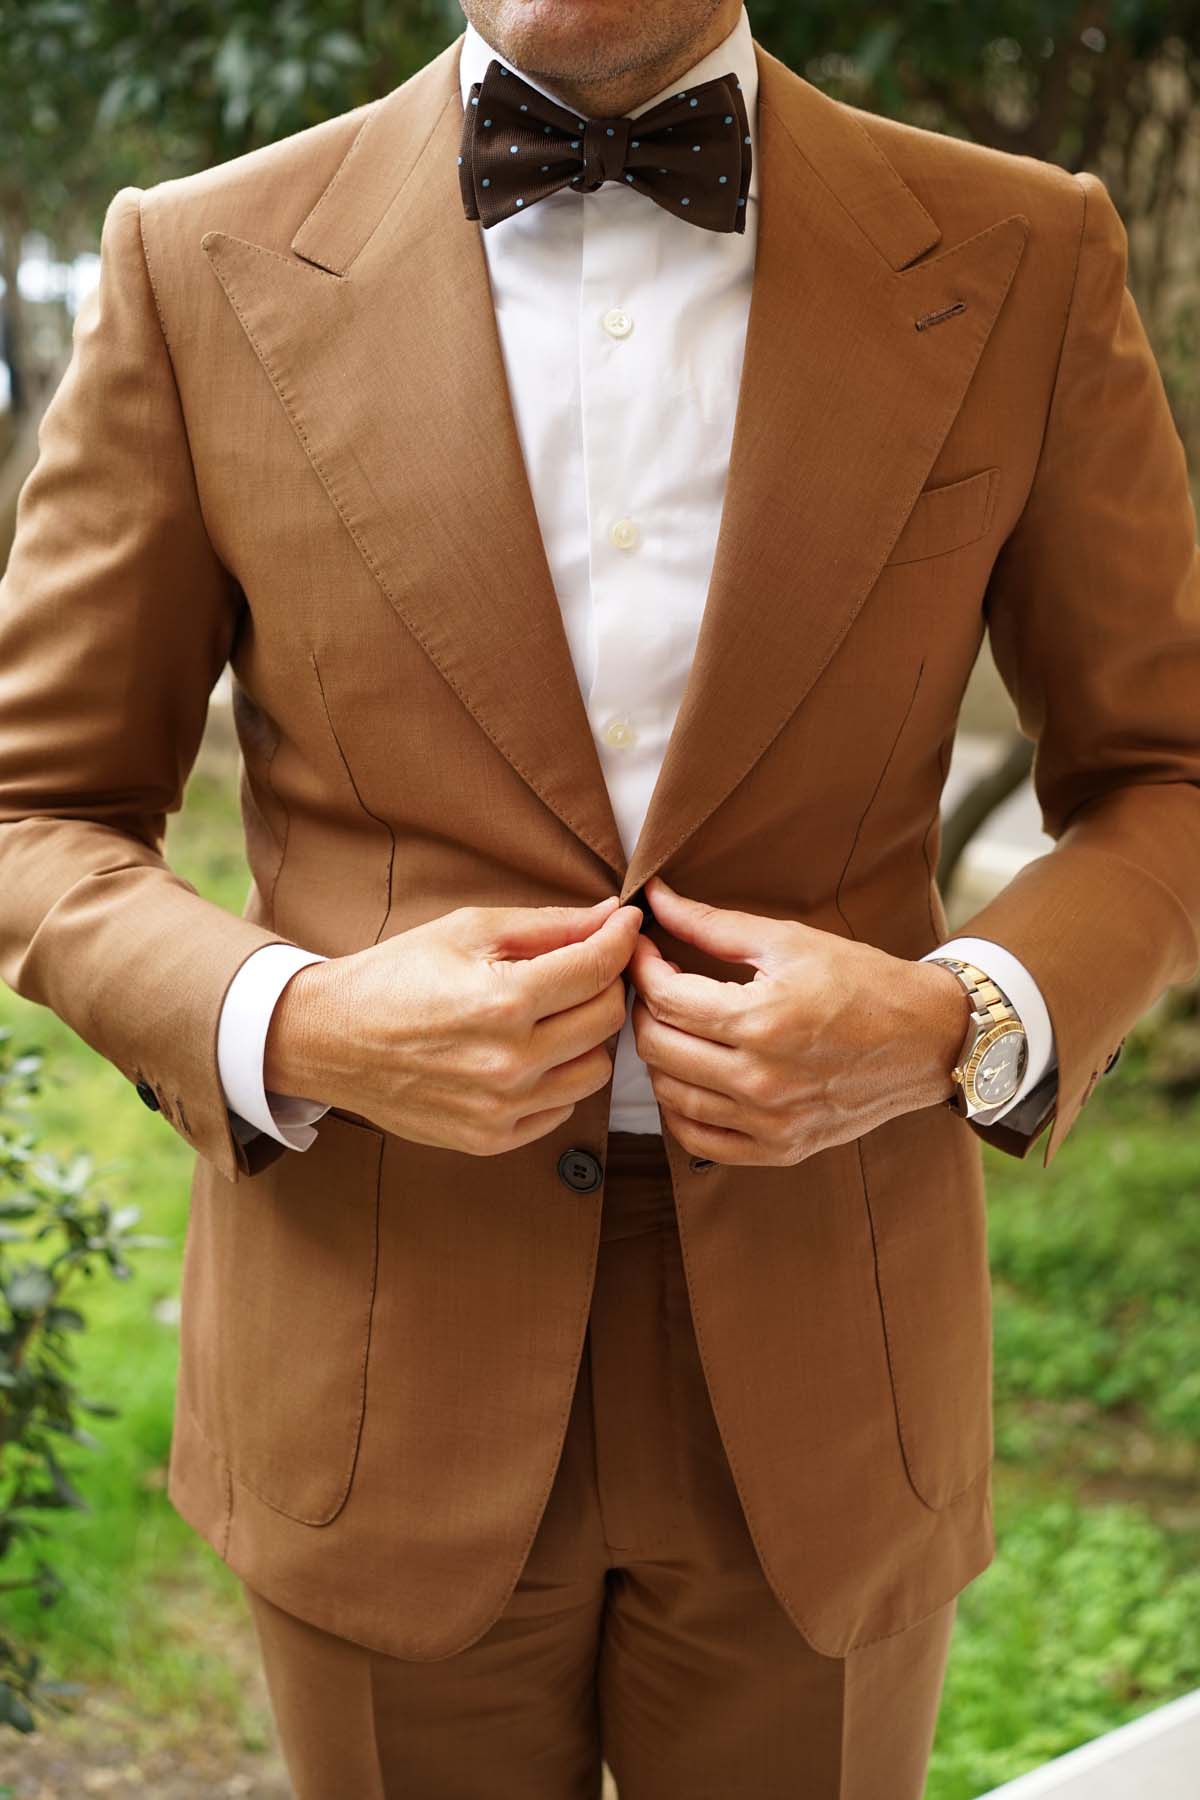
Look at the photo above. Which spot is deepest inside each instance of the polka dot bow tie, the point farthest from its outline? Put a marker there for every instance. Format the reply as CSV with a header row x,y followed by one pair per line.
x,y
690,153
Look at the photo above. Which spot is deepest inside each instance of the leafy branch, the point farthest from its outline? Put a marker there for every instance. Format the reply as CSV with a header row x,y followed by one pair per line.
x,y
55,1231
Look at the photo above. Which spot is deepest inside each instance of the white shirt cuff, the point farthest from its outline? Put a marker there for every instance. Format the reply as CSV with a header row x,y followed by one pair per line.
x,y
1014,980
246,1011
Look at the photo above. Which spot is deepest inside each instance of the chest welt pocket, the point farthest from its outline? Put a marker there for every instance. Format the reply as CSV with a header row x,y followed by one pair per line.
x,y
947,517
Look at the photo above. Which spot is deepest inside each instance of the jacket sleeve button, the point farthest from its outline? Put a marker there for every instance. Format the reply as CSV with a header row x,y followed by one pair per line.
x,y
148,1094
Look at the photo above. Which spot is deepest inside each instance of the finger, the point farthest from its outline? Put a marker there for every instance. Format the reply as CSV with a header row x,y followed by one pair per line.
x,y
708,1063
561,1036
704,1105
693,1003
565,976
712,1140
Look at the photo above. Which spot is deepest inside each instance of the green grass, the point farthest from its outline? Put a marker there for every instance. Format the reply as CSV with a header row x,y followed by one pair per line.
x,y
1091,1611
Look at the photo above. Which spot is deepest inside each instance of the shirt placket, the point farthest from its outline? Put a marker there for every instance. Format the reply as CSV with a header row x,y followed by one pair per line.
x,y
616,383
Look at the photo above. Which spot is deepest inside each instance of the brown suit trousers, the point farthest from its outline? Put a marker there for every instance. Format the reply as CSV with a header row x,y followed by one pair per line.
x,y
641,1630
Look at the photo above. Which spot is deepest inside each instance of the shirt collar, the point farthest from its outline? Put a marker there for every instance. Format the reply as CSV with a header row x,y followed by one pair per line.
x,y
734,55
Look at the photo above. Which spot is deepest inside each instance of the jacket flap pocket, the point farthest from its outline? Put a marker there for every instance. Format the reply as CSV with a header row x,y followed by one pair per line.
x,y
947,517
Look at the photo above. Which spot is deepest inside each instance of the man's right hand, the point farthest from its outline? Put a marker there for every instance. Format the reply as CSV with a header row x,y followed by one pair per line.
x,y
477,1031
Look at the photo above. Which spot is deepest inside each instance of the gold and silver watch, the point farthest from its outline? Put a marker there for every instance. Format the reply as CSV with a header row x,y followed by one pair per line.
x,y
995,1051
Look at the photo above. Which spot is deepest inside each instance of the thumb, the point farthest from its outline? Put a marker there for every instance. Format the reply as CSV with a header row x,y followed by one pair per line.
x,y
521,931
723,932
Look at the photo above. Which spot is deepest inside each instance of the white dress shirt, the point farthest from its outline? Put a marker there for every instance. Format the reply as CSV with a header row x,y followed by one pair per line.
x,y
622,328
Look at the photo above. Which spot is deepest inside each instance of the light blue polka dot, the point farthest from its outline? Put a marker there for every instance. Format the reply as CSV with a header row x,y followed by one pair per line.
x,y
460,159
729,118
579,124
524,108
662,171
629,178
636,142
693,103
611,131
738,86
745,140
741,203
474,99
486,182
545,168
545,128
574,143
487,121
520,203
695,146
682,95
722,179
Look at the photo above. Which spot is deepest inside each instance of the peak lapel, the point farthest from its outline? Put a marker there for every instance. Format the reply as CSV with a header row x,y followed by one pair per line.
x,y
843,407
380,338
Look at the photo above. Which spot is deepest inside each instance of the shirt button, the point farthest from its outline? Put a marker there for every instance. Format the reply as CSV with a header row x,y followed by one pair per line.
x,y
624,533
620,733
617,322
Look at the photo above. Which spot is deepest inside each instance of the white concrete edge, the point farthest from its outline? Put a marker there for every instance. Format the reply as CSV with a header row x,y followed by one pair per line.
x,y
1140,1735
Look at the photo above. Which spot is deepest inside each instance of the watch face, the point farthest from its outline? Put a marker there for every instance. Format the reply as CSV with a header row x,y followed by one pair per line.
x,y
1001,1063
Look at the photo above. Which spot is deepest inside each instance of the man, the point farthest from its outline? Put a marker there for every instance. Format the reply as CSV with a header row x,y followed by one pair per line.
x,y
623,517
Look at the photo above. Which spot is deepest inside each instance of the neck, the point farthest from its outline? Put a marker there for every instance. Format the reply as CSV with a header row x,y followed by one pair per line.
x,y
619,93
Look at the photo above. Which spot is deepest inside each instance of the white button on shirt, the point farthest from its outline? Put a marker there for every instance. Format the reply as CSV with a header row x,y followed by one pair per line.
x,y
625,432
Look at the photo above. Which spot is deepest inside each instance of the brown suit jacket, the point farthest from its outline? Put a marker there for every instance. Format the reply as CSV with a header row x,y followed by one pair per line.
x,y
284,441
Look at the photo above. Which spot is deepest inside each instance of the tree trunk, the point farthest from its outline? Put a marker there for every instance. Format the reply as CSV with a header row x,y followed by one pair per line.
x,y
979,802
12,334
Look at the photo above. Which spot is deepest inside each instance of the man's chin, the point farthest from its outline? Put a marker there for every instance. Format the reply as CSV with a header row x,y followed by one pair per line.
x,y
569,40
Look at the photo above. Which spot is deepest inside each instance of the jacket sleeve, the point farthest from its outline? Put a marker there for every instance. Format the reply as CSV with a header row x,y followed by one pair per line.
x,y
1093,615
116,618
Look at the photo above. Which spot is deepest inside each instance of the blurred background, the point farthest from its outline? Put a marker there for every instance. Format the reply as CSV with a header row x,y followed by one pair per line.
x,y
1090,1615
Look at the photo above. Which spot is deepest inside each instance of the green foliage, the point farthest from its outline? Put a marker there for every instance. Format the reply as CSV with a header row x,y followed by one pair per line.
x,y
53,1228
1032,75
1096,1270
1085,1620
97,93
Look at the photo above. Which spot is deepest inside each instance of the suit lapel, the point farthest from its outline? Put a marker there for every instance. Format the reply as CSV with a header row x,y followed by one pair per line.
x,y
381,340
842,409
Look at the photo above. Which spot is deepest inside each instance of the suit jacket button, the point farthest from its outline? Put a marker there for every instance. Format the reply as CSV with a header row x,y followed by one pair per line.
x,y
580,1170
148,1095
701,1162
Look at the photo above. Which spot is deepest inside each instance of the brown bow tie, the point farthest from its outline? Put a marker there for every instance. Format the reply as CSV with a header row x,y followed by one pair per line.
x,y
690,154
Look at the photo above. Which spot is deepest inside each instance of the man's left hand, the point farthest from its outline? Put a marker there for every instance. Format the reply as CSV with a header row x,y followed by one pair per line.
x,y
831,1037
